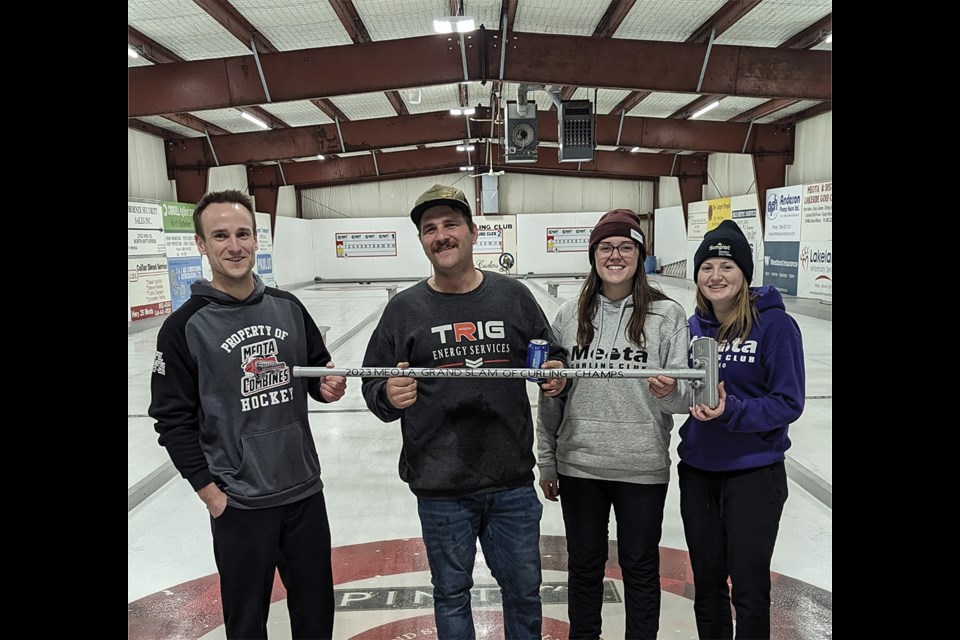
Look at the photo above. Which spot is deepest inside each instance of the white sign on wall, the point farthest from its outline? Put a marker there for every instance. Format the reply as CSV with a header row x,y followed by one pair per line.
x,y
371,244
696,221
567,239
145,242
744,211
783,214
818,212
815,276
144,215
148,289
181,245
489,241
264,264
496,245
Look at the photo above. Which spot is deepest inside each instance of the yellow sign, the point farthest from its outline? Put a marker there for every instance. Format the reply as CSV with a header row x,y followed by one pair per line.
x,y
717,211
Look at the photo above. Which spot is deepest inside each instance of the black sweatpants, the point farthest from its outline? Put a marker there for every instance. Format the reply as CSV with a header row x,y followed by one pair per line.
x,y
586,518
730,521
249,545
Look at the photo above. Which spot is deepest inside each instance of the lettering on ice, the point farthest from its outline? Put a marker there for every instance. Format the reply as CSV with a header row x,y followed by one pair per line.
x,y
408,597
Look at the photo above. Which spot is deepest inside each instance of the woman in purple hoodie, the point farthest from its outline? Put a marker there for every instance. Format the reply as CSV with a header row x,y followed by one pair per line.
x,y
732,479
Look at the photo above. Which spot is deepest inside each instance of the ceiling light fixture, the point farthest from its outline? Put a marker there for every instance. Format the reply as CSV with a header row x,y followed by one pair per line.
x,y
132,52
829,39
465,147
712,105
450,24
463,111
257,121
635,150
320,156
467,168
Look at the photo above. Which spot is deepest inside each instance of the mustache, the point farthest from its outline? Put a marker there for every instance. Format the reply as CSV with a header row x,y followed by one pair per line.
x,y
445,244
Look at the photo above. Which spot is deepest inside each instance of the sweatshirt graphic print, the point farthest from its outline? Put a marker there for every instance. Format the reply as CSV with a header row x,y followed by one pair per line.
x,y
470,435
614,429
765,382
226,405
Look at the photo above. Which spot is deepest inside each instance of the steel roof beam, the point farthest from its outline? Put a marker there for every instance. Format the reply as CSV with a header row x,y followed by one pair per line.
x,y
440,126
303,142
236,24
150,48
432,60
806,114
809,37
192,122
669,66
725,17
406,164
146,127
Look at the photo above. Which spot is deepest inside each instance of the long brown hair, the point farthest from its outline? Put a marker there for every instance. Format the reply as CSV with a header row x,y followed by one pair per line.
x,y
643,295
739,323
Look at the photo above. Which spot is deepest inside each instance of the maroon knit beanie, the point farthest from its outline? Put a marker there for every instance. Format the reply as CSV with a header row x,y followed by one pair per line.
x,y
619,222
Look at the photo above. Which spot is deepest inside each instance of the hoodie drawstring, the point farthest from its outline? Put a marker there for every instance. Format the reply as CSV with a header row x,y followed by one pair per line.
x,y
616,333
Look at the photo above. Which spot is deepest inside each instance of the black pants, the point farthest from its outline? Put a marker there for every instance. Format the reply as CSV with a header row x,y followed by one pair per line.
x,y
251,544
730,521
586,518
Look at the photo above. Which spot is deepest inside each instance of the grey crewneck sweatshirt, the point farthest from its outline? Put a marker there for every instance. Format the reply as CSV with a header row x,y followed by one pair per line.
x,y
614,429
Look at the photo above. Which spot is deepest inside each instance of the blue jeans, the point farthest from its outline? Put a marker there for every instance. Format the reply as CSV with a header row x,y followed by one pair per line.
x,y
508,525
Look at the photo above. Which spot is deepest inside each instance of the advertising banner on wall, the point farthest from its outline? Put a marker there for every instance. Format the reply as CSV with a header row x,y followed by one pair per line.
x,y
696,229
264,265
717,211
783,214
818,212
815,278
145,229
183,257
148,289
496,246
782,238
780,266
183,273
696,222
744,211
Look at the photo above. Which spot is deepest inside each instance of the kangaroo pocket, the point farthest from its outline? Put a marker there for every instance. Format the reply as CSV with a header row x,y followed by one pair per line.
x,y
275,461
609,444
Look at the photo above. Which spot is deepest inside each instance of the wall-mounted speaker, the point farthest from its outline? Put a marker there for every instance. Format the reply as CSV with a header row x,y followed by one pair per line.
x,y
520,137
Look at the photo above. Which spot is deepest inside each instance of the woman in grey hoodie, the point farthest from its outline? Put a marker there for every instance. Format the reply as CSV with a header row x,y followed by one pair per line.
x,y
606,442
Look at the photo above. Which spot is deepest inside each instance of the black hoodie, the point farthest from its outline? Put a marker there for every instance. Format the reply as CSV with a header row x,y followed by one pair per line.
x,y
227,407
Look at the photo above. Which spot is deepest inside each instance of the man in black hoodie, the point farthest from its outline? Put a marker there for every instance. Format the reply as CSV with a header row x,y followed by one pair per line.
x,y
234,421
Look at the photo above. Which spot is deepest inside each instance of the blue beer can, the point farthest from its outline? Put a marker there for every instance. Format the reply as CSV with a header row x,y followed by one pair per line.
x,y
537,353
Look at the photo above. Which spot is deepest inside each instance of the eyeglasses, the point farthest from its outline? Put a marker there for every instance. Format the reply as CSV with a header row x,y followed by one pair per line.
x,y
626,250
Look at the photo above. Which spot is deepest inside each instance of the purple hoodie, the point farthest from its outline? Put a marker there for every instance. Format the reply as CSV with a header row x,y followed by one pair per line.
x,y
764,380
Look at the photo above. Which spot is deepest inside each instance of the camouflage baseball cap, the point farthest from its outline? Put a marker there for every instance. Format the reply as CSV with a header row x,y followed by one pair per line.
x,y
437,195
